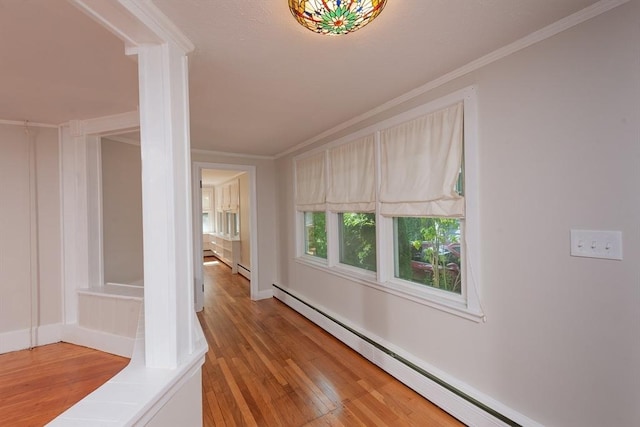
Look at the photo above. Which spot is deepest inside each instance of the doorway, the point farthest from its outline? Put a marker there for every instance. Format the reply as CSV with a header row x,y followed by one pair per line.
x,y
225,221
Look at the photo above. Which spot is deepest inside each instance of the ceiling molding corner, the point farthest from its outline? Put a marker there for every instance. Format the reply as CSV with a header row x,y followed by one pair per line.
x,y
159,23
136,22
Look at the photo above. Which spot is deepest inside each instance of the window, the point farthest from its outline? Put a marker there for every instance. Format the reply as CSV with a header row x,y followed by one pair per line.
x,y
357,235
315,234
427,251
394,205
219,222
232,225
207,225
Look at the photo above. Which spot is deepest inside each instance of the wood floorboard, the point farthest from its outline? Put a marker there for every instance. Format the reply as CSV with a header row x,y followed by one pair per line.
x,y
269,366
38,385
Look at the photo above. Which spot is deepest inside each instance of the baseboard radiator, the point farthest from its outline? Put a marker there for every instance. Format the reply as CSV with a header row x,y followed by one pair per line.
x,y
244,271
457,402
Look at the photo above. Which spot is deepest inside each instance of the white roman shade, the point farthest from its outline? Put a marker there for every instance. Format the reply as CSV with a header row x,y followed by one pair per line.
x,y
420,163
310,183
351,178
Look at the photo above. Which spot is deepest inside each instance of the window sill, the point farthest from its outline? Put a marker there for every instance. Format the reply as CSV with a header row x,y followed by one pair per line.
x,y
452,304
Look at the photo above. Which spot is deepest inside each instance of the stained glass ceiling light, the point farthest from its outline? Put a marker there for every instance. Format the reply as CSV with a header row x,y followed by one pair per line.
x,y
334,17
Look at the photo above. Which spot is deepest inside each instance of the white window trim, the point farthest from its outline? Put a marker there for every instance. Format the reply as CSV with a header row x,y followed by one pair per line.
x,y
467,304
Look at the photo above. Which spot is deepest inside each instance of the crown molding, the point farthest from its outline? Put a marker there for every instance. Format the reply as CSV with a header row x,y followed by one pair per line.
x,y
159,23
136,22
557,27
123,140
117,123
27,123
229,154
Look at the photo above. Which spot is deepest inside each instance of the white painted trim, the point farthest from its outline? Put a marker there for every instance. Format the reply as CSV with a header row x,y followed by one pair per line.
x,y
533,38
167,204
265,294
99,340
21,339
48,334
34,240
198,273
15,340
244,272
94,210
74,219
230,154
457,406
147,390
136,23
27,122
61,222
158,22
116,123
253,218
123,140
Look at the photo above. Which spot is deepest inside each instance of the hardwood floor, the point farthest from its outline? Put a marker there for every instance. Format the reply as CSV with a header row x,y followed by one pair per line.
x,y
269,366
38,385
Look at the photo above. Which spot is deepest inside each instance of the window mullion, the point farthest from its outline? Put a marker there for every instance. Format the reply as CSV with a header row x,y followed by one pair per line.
x,y
333,240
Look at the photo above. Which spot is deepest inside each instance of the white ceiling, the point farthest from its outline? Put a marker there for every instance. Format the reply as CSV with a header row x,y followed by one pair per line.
x,y
259,82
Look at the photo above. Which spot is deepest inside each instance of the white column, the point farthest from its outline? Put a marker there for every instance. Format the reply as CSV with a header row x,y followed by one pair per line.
x,y
168,249
74,162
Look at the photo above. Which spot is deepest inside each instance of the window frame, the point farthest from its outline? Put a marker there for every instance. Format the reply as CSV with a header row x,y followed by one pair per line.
x,y
466,304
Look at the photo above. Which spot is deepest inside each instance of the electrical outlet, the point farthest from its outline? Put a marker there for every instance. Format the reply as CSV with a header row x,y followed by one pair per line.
x,y
596,244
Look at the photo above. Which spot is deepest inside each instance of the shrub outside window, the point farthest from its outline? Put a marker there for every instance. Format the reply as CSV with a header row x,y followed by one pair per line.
x,y
357,237
315,234
427,251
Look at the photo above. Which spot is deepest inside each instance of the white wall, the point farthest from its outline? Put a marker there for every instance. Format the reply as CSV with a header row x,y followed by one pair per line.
x,y
559,126
30,236
266,210
122,212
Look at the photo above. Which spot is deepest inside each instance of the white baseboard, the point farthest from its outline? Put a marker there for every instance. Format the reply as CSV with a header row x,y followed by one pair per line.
x,y
451,402
49,334
15,340
244,272
21,339
265,294
109,343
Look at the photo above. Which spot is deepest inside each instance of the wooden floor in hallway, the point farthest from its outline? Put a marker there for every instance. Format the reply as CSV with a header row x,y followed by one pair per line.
x,y
269,366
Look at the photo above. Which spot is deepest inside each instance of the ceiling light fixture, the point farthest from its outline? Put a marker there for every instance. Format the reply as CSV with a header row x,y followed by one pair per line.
x,y
335,17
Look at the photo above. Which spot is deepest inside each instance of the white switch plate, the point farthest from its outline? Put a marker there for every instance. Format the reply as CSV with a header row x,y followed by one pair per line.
x,y
596,244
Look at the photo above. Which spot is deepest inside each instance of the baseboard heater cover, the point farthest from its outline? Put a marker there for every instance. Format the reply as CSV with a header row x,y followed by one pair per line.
x,y
244,271
483,413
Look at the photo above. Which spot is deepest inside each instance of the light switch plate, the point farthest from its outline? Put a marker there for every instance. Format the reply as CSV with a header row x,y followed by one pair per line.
x,y
596,244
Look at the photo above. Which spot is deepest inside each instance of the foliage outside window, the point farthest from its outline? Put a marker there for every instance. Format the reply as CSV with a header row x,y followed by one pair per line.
x,y
427,251
315,234
357,234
